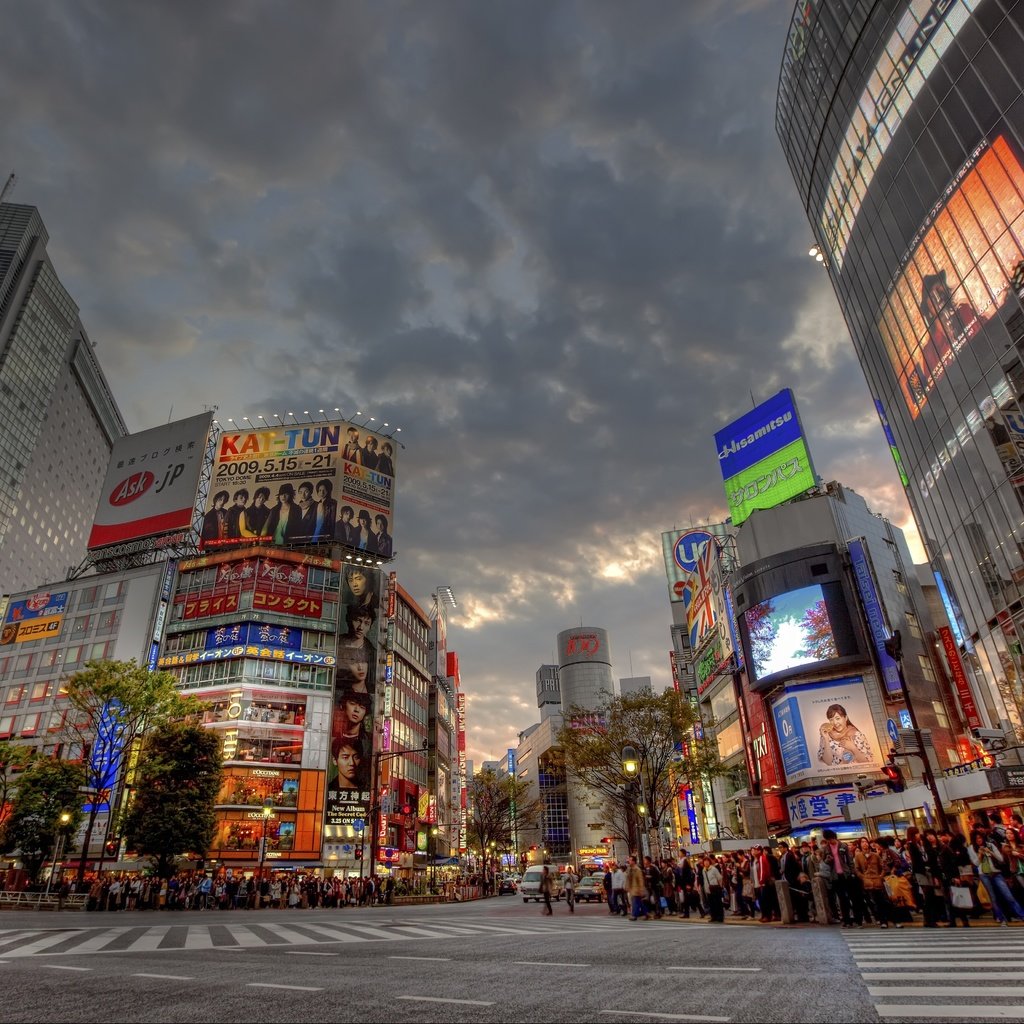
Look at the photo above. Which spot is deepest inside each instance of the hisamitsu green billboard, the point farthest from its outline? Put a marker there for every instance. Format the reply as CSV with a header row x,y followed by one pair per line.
x,y
764,458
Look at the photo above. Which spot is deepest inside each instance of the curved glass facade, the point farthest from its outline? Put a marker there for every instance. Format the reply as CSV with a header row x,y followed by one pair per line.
x,y
903,125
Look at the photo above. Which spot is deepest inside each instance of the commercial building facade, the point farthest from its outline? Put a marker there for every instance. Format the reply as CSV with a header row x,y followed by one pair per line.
x,y
903,125
60,419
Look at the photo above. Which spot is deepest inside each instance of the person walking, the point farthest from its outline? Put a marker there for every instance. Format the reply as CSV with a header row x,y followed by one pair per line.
x,y
636,889
619,904
569,881
546,885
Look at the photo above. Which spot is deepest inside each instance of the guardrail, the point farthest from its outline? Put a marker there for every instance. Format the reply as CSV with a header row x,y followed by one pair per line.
x,y
41,901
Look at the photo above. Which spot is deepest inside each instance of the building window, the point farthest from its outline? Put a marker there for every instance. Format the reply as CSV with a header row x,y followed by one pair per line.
x,y
926,667
913,626
40,691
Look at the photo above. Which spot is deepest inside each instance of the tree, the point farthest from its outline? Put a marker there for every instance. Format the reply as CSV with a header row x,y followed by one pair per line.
x,y
761,631
14,759
660,728
176,788
112,703
46,789
817,628
500,809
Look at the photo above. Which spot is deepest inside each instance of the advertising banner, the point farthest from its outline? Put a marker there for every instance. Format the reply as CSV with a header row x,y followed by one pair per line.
x,y
810,807
350,763
254,633
963,687
699,594
963,269
151,482
34,618
763,457
681,549
826,729
875,614
304,484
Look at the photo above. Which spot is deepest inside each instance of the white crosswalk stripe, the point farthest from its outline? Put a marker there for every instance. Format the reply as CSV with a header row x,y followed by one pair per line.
x,y
252,933
943,975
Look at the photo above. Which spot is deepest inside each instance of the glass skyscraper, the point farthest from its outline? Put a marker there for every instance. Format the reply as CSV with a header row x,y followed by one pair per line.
x,y
903,125
58,419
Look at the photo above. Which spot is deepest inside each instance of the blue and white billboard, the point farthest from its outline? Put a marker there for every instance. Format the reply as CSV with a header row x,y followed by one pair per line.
x,y
254,633
875,614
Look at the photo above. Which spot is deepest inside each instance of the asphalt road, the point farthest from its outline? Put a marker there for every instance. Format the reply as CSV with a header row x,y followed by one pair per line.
x,y
494,960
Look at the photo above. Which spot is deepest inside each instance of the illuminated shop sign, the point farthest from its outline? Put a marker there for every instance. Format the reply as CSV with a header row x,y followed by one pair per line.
x,y
893,448
875,614
249,633
34,618
247,651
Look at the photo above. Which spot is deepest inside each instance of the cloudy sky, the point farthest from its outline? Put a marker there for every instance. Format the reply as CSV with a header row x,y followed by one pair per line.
x,y
557,243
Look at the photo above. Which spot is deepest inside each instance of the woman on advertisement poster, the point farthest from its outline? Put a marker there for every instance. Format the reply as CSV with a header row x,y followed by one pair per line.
x,y
841,742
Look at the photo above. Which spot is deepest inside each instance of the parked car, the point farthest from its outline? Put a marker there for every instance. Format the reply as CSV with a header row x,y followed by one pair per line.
x,y
590,889
529,887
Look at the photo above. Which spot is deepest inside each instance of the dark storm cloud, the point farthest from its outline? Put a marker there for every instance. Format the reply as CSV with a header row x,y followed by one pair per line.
x,y
556,243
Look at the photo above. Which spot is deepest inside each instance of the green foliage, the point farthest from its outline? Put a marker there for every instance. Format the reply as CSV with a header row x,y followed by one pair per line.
x,y
14,759
46,789
499,809
652,724
133,699
172,812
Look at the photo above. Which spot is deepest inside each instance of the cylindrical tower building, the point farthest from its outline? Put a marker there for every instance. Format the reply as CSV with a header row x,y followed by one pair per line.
x,y
903,125
586,681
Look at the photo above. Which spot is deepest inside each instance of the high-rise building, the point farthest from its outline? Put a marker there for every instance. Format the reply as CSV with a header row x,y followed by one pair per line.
x,y
60,419
904,130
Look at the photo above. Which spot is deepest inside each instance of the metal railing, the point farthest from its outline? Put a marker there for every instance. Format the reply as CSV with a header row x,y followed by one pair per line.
x,y
41,901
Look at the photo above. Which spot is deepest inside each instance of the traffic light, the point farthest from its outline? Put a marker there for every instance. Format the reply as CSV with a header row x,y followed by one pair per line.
x,y
407,809
110,847
894,646
893,776
358,851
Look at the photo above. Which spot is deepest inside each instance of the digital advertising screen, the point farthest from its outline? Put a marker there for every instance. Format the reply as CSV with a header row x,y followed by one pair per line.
x,y
151,482
330,482
763,457
965,265
789,630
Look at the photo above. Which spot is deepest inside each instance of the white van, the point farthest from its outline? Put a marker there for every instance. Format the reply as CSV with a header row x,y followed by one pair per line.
x,y
529,885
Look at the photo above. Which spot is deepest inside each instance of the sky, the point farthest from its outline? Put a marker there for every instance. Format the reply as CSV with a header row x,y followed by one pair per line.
x,y
557,243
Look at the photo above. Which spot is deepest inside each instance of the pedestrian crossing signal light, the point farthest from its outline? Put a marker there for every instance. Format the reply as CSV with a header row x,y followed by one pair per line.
x,y
110,847
893,776
407,809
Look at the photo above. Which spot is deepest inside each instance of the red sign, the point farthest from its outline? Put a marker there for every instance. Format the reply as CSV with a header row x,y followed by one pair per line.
x,y
582,643
292,604
200,605
956,668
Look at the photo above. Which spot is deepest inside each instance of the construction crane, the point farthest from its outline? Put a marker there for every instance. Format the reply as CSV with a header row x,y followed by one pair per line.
x,y
8,187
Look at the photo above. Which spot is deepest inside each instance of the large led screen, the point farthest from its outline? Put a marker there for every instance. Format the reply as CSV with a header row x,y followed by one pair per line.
x,y
763,457
330,482
790,630
966,264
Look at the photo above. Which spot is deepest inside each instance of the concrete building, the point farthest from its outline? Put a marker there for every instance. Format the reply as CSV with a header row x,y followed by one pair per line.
x,y
60,419
635,684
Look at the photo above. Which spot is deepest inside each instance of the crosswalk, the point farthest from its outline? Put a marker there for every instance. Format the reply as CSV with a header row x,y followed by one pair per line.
x,y
259,931
942,974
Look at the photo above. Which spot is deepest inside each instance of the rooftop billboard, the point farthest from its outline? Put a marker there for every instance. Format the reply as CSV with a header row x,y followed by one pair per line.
x,y
151,482
331,481
764,458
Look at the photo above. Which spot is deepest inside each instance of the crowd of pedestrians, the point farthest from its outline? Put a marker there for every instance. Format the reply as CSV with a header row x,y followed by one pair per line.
x,y
946,878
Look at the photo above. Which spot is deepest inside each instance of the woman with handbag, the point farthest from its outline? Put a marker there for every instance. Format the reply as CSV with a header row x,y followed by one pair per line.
x,y
924,869
988,860
957,875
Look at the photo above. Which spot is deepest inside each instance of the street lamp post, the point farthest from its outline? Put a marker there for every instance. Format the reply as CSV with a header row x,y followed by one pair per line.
x,y
631,768
268,812
65,818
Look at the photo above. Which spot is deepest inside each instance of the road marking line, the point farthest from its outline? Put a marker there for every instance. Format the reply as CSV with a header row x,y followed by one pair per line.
x,y
59,967
435,999
945,1010
444,958
306,952
946,990
545,963
290,988
168,977
664,1016
938,963
702,969
933,975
